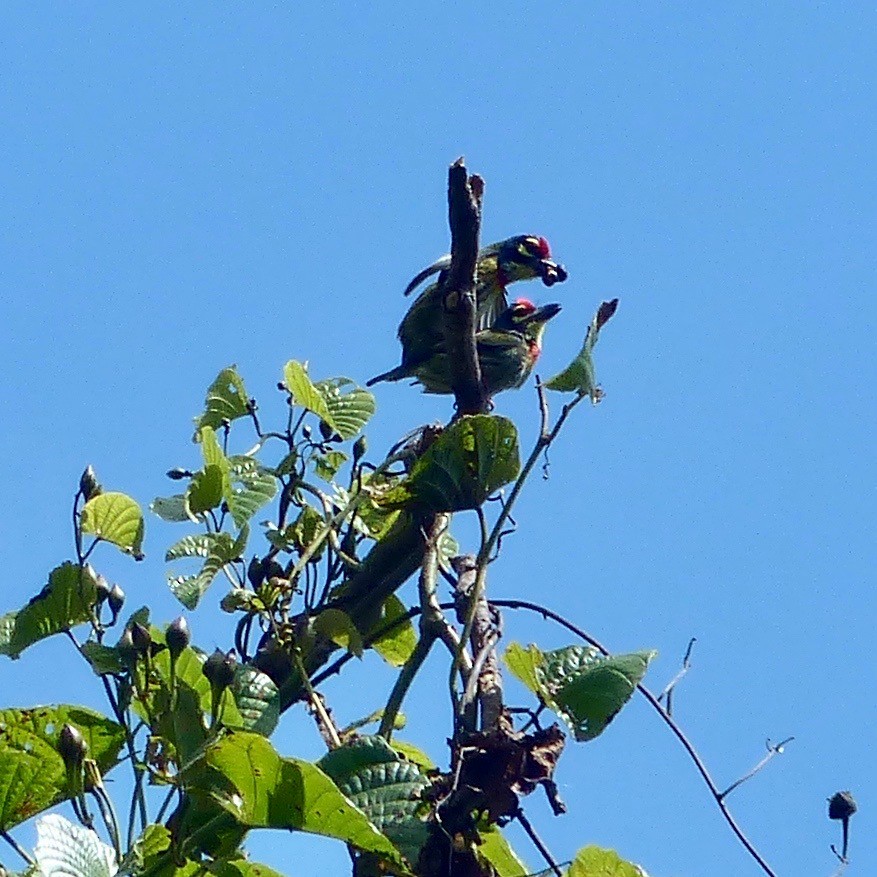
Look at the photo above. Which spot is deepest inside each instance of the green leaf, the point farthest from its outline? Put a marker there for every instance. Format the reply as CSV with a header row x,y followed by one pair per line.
x,y
32,772
584,687
171,508
596,862
412,753
218,549
252,486
397,644
469,461
250,780
339,627
226,400
242,868
155,840
103,659
326,465
66,601
258,700
348,412
116,518
384,786
206,490
593,697
304,530
67,850
498,852
579,376
303,392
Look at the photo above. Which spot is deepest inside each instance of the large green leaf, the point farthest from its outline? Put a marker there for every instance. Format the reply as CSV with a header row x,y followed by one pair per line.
x,y
348,411
116,518
396,645
171,508
579,376
468,462
596,862
303,391
385,786
584,687
226,400
32,772
339,627
258,701
65,601
250,780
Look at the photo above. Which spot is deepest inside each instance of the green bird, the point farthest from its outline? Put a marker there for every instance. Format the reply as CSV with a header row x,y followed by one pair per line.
x,y
507,352
523,257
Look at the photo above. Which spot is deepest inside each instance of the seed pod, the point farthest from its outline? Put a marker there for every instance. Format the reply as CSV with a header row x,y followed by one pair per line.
x,y
360,446
116,600
178,636
72,746
178,474
89,486
219,669
326,431
141,638
102,586
841,806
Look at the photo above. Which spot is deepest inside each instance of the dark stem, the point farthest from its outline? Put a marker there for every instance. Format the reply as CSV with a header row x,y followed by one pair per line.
x,y
537,842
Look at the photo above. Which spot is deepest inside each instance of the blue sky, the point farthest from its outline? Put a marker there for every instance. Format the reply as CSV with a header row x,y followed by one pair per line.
x,y
189,187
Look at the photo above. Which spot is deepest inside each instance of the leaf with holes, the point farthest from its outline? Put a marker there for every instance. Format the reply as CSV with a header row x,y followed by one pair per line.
x,y
218,549
66,601
226,400
115,518
252,486
32,772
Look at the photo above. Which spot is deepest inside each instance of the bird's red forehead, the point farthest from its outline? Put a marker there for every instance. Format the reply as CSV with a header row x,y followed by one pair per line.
x,y
525,303
544,248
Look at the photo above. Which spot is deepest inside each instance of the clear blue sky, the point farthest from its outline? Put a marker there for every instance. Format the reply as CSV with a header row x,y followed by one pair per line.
x,y
188,187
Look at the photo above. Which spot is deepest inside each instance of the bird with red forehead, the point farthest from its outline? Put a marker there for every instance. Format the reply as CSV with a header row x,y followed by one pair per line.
x,y
507,352
523,257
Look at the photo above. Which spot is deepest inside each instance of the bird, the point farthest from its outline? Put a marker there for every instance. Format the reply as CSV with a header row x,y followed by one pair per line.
x,y
507,352
522,257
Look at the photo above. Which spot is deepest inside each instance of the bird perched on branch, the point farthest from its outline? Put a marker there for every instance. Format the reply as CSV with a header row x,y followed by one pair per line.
x,y
523,257
507,352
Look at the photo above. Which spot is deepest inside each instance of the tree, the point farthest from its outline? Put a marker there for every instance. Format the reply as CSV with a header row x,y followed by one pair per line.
x,y
345,533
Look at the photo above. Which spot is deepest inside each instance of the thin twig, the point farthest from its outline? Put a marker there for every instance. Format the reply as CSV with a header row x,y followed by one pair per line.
x,y
771,752
686,666
668,720
537,842
17,847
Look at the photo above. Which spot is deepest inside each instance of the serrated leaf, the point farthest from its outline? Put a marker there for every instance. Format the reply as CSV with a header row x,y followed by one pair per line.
x,y
220,550
171,508
252,486
67,850
396,645
66,601
262,790
326,465
226,400
115,518
348,411
32,772
469,461
384,786
339,627
593,861
303,392
498,852
579,376
258,700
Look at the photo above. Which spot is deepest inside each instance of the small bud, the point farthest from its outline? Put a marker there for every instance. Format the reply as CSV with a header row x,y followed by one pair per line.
x,y
254,572
101,585
116,600
360,446
219,668
841,806
306,431
178,636
88,484
178,474
326,431
72,746
140,637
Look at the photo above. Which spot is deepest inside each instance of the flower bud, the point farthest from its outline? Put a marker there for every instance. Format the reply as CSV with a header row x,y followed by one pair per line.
x,y
140,638
841,806
219,669
178,636
72,746
88,484
116,600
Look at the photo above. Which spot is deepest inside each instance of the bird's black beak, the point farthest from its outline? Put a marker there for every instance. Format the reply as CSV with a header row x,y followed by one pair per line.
x,y
551,272
546,312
